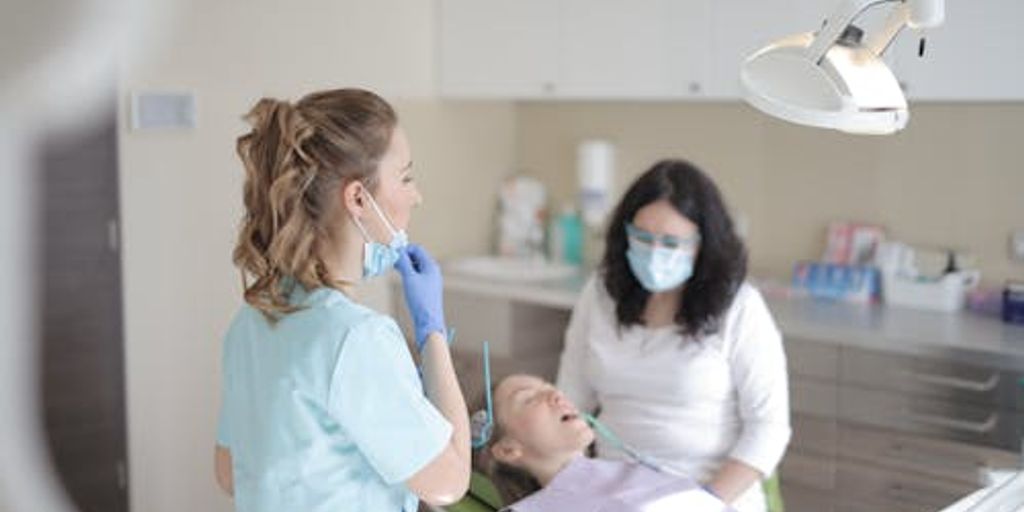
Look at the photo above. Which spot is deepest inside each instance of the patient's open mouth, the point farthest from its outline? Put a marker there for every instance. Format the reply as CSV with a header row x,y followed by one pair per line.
x,y
569,417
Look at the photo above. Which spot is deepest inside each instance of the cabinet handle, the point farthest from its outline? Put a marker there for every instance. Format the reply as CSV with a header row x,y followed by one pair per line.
x,y
897,452
911,495
956,383
973,427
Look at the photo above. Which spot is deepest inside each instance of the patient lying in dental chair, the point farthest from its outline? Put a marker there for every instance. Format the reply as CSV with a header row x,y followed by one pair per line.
x,y
535,456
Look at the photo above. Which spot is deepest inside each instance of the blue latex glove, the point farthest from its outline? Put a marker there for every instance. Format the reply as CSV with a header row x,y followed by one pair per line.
x,y
423,287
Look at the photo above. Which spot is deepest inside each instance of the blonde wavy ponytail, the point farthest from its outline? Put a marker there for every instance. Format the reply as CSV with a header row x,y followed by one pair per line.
x,y
295,158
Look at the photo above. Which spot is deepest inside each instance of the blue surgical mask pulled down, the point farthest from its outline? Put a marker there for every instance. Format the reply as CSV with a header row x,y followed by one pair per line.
x,y
659,268
377,257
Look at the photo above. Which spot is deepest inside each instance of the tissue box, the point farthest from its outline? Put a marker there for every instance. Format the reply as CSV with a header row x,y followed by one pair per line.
x,y
849,283
947,293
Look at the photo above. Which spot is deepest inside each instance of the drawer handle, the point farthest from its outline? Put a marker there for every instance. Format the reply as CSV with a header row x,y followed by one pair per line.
x,y
914,496
973,427
957,383
898,452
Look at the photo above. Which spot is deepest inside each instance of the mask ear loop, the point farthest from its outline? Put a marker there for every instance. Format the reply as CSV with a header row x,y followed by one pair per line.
x,y
380,213
483,421
362,230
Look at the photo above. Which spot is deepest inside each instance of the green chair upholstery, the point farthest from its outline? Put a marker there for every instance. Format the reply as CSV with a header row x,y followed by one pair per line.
x,y
773,493
483,496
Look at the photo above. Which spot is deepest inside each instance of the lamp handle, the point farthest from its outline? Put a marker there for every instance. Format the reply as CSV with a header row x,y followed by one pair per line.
x,y
837,23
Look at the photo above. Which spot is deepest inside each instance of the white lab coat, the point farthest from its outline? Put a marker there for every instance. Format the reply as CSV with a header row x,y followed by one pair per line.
x,y
688,403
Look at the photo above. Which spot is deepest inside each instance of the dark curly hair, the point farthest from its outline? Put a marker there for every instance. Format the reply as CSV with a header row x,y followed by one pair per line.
x,y
721,263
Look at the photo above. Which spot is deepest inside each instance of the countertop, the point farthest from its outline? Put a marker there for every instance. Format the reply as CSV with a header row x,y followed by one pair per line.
x,y
1005,496
966,336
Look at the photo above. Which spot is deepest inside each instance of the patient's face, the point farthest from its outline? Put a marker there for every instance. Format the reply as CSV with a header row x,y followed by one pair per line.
x,y
537,416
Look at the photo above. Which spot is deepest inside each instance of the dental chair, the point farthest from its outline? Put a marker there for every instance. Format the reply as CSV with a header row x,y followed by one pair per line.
x,y
483,496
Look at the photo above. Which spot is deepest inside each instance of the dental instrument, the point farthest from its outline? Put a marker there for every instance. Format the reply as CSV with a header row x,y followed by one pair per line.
x,y
482,422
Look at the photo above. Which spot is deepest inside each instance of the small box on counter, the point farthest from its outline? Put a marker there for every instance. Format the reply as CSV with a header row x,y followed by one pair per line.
x,y
1013,303
849,283
947,293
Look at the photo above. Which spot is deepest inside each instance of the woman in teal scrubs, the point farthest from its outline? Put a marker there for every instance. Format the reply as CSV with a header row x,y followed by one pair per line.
x,y
323,408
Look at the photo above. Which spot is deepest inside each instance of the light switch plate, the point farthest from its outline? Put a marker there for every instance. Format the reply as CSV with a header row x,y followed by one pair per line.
x,y
1017,245
163,111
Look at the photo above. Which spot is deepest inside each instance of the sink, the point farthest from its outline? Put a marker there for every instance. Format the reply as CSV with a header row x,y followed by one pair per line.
x,y
511,269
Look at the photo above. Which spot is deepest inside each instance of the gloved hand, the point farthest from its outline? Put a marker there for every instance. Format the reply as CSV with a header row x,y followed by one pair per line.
x,y
423,287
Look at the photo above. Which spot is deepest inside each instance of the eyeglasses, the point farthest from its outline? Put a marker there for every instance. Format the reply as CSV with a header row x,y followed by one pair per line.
x,y
668,241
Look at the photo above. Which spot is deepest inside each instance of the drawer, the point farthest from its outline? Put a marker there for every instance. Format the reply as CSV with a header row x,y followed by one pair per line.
x,y
811,358
923,456
867,487
809,471
814,435
996,428
802,499
813,397
933,377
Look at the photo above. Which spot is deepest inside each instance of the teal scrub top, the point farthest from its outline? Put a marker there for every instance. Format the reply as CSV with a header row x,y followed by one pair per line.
x,y
325,410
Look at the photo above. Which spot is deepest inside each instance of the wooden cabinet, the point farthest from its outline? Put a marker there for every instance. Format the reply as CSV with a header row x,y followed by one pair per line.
x,y
873,487
874,430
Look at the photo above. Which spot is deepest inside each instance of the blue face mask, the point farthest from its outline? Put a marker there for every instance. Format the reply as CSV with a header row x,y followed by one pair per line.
x,y
378,258
657,267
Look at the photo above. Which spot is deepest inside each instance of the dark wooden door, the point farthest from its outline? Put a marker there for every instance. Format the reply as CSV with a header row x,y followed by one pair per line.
x,y
82,356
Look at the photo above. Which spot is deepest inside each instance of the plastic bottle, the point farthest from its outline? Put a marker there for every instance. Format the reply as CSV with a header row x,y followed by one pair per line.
x,y
566,237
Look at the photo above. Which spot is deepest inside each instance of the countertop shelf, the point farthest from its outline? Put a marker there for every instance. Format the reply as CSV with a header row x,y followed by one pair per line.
x,y
966,336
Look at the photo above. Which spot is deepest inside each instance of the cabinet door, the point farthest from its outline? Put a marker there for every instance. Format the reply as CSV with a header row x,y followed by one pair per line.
x,y
998,428
498,48
920,455
974,56
741,27
81,353
632,48
873,488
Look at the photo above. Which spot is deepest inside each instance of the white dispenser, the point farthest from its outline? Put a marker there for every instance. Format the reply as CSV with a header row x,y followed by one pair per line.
x,y
595,169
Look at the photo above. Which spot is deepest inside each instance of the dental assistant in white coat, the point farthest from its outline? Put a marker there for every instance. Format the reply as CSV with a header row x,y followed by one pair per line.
x,y
323,409
677,352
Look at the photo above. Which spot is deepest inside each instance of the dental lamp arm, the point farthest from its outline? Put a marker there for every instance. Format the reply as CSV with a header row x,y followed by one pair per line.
x,y
917,14
848,11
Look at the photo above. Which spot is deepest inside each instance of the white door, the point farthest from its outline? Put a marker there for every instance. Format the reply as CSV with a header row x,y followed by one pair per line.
x,y
498,48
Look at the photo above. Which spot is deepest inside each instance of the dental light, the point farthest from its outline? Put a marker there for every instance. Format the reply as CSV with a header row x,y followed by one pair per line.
x,y
835,77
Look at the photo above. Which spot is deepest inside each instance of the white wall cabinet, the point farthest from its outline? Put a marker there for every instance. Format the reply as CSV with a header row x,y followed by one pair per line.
x,y
741,27
974,56
576,49
624,48
498,48
693,49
